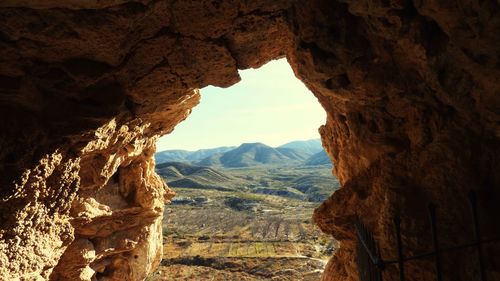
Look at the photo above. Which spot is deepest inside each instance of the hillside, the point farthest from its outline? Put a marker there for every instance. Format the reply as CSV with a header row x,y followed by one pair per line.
x,y
180,174
308,146
320,158
314,183
188,156
294,154
254,154
171,155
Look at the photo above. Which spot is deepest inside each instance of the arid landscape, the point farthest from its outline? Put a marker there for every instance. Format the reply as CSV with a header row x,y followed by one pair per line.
x,y
251,222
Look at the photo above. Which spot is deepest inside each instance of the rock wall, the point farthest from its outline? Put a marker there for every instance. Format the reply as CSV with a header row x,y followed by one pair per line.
x,y
412,97
86,88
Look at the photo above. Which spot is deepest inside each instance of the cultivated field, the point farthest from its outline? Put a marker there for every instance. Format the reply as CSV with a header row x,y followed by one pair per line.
x,y
238,235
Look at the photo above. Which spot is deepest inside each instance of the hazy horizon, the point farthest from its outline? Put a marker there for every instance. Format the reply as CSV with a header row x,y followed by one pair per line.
x,y
274,146
269,105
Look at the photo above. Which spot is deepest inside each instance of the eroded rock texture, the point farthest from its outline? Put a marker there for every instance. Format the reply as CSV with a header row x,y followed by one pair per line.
x,y
410,87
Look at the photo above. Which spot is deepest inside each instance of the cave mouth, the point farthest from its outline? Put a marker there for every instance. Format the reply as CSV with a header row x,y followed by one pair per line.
x,y
87,87
248,169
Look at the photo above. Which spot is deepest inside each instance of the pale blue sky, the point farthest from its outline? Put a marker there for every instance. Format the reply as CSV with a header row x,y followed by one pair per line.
x,y
269,105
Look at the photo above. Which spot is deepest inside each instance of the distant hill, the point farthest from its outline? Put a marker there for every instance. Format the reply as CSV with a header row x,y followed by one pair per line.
x,y
309,183
171,155
188,156
320,158
185,175
204,153
252,154
308,146
309,153
295,154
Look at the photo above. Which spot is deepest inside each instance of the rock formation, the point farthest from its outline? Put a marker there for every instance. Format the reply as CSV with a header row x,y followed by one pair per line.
x,y
86,87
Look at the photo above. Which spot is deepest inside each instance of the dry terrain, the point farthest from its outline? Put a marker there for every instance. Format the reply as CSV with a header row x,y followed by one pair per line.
x,y
236,234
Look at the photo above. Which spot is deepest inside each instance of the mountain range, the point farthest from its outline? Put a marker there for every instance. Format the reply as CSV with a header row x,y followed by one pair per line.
x,y
309,152
298,170
189,156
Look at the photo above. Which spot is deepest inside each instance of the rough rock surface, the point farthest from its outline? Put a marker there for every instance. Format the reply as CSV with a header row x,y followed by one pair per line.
x,y
86,87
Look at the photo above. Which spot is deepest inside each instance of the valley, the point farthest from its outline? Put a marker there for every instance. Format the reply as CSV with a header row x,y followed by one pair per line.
x,y
245,223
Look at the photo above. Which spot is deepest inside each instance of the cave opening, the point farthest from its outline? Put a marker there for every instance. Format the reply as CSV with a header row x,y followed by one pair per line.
x,y
87,87
248,168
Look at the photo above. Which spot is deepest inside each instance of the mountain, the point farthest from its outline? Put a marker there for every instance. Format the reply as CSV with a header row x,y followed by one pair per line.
x,y
204,153
171,155
308,152
188,156
308,146
295,154
252,154
320,158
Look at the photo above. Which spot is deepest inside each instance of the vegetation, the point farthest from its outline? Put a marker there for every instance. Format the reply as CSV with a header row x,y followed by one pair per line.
x,y
250,223
309,183
258,228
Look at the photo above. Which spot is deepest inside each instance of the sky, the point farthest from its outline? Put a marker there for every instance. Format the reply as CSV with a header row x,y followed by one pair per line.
x,y
269,105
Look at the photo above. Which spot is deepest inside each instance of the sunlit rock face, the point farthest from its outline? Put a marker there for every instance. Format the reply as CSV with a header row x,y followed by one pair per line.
x,y
410,88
